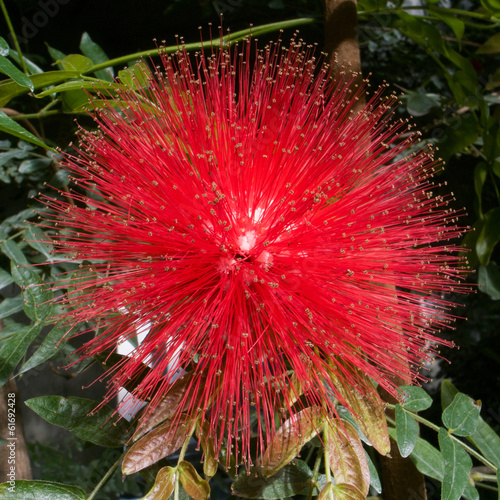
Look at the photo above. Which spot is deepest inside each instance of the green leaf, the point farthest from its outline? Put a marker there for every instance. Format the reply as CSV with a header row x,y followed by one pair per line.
x,y
13,252
136,77
457,467
415,398
287,482
84,418
13,350
40,490
5,279
37,296
487,441
30,65
470,493
4,47
97,55
90,86
458,137
34,165
48,348
10,89
489,236
491,46
427,459
485,438
456,24
375,482
419,103
37,239
9,126
462,415
406,431
56,54
7,68
77,63
10,306
489,280
480,175
448,393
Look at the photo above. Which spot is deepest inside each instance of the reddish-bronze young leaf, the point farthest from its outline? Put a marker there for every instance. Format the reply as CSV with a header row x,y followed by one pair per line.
x,y
324,493
210,462
368,411
167,406
346,454
159,443
164,484
195,486
290,437
347,492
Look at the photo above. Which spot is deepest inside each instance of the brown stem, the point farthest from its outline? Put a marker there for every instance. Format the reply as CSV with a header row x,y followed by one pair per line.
x,y
14,453
341,36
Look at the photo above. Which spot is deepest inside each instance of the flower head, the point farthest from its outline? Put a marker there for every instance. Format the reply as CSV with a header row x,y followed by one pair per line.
x,y
255,225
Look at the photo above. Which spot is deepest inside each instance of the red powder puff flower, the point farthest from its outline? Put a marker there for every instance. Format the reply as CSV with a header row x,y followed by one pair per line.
x,y
252,221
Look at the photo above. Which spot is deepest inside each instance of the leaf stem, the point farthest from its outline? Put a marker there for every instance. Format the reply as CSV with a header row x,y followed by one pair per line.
x,y
327,472
13,34
436,428
106,476
317,463
224,41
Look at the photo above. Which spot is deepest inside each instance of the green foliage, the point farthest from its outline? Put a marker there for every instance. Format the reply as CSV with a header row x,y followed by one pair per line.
x,y
86,419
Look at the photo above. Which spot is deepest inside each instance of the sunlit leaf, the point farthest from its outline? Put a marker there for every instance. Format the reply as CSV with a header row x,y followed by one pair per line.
x,y
77,63
41,490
